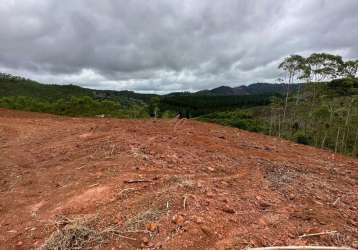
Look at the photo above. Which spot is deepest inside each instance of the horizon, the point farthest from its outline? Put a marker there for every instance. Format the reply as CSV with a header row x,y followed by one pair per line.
x,y
174,46
164,93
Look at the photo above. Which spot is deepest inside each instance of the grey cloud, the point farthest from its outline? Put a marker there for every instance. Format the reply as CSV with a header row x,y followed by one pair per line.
x,y
165,46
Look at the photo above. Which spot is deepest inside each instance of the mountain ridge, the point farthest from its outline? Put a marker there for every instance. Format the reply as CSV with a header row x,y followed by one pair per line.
x,y
14,85
250,89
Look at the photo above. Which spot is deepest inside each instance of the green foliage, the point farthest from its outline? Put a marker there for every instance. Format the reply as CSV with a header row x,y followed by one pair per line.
x,y
75,106
153,107
345,86
168,114
196,105
242,119
292,65
24,94
17,86
301,138
350,68
331,121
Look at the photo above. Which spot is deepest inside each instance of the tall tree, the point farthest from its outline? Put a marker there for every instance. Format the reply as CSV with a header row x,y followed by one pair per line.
x,y
350,68
292,65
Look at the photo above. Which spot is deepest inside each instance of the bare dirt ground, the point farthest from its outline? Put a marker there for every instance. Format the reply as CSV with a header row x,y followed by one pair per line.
x,y
167,184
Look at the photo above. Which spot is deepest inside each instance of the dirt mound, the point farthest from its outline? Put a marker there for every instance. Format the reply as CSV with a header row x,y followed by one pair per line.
x,y
161,184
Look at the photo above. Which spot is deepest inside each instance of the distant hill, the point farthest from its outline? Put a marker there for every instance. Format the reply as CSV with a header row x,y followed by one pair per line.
x,y
18,86
252,89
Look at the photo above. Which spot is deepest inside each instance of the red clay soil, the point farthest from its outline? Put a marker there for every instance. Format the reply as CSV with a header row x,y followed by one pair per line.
x,y
169,184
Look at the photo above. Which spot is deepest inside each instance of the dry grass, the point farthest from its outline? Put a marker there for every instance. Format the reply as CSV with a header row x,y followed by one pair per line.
x,y
77,233
182,182
73,234
138,222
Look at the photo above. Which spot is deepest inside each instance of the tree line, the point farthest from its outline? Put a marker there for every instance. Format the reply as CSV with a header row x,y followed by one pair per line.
x,y
324,113
81,106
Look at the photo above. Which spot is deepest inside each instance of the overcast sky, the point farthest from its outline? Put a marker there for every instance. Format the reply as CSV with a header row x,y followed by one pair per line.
x,y
168,45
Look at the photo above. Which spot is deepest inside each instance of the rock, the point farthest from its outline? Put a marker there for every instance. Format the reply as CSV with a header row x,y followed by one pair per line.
x,y
152,227
178,219
20,243
228,210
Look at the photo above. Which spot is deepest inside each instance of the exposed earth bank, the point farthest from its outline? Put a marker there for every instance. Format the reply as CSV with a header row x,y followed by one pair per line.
x,y
167,184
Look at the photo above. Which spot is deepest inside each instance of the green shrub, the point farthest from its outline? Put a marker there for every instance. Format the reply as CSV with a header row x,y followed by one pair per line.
x,y
168,114
301,138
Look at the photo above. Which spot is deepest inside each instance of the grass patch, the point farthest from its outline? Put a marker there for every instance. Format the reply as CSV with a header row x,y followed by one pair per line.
x,y
73,234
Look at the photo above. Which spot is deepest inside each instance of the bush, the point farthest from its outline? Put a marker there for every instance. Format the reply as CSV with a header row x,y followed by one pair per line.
x,y
168,114
301,138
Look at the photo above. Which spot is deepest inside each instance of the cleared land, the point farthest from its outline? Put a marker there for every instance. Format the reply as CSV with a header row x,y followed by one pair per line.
x,y
167,184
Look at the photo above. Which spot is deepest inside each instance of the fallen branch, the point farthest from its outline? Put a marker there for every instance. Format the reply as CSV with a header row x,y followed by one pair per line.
x,y
184,201
136,181
316,234
301,247
138,231
336,201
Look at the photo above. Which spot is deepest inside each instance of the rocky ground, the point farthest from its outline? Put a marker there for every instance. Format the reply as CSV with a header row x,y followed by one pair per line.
x,y
167,184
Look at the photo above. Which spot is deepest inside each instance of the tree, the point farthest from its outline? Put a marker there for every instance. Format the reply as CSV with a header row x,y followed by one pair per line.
x,y
154,106
350,68
292,65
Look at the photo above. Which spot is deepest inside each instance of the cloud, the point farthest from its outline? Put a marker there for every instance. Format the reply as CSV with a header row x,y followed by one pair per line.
x,y
163,46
